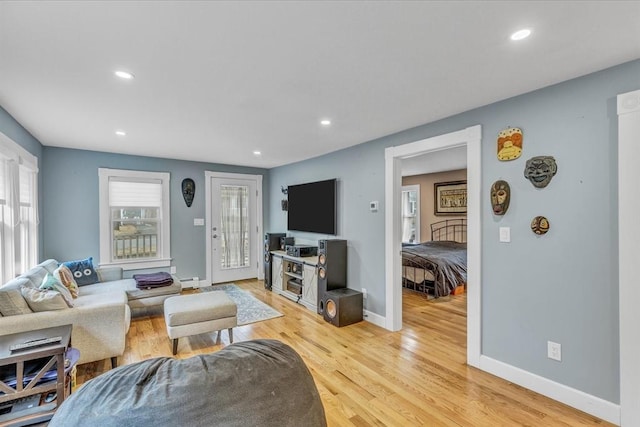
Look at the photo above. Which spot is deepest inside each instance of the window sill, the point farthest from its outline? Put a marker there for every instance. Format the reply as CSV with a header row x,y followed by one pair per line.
x,y
138,264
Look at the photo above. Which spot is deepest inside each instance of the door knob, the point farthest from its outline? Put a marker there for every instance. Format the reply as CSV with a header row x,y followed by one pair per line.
x,y
214,236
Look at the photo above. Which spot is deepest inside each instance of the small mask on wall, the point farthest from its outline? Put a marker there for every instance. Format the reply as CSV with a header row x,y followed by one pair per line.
x,y
500,197
509,144
540,169
540,225
188,191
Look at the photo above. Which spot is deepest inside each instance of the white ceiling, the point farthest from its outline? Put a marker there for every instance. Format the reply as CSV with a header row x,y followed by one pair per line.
x,y
217,80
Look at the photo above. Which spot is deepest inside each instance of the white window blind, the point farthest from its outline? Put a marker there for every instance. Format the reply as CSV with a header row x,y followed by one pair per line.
x,y
134,218
26,186
139,194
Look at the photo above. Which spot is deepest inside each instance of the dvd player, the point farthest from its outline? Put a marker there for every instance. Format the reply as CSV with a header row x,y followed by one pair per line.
x,y
301,251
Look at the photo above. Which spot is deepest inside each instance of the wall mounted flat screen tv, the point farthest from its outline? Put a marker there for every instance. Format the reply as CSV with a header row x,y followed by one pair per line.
x,y
312,207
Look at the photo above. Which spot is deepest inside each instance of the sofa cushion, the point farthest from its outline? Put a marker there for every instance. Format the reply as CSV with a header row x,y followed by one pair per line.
x,y
53,284
12,303
99,299
43,300
36,275
64,275
83,271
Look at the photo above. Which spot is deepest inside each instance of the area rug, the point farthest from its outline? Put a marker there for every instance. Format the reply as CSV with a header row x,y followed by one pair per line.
x,y
250,309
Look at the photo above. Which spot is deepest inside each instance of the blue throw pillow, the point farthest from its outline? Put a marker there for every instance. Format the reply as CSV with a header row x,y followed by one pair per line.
x,y
83,271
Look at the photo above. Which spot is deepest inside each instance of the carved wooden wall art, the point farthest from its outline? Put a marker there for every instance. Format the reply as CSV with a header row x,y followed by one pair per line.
x,y
509,144
188,191
540,225
540,169
500,197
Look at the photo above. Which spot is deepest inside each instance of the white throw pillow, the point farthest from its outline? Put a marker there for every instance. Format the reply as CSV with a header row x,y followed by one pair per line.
x,y
43,300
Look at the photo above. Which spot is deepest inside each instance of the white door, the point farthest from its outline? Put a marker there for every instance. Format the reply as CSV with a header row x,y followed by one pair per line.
x,y
233,228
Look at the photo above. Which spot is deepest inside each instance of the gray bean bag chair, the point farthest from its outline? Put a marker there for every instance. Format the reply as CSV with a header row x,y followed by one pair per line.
x,y
252,383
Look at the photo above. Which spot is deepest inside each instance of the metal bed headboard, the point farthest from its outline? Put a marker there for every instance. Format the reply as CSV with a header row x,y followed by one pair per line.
x,y
450,230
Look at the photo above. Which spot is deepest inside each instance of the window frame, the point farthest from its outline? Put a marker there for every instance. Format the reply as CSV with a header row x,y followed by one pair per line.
x,y
164,251
16,257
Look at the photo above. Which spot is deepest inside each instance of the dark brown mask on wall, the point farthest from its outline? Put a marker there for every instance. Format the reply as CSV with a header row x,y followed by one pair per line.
x,y
540,169
500,197
188,191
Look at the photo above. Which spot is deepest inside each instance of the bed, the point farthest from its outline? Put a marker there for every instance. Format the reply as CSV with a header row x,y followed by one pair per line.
x,y
439,266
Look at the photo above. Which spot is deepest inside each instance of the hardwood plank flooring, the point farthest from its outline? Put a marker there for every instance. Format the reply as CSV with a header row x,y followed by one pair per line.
x,y
368,376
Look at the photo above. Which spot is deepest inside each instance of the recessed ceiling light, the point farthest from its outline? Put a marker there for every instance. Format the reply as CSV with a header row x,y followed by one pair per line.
x,y
257,153
325,122
124,74
521,34
121,133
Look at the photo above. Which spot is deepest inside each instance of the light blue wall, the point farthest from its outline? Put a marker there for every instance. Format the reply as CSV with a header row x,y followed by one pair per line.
x,y
561,287
71,204
15,131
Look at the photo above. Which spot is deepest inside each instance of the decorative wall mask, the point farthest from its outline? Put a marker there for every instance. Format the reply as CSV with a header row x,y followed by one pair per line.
x,y
509,144
540,169
540,225
188,191
500,197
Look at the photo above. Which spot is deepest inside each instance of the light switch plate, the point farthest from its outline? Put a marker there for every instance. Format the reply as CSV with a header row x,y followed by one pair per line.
x,y
373,206
505,234
198,221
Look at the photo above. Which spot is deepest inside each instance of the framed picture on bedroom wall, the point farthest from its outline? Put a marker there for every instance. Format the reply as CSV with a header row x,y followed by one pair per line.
x,y
450,198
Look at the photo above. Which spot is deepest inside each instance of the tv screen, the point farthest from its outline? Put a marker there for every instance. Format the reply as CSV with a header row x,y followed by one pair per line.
x,y
312,207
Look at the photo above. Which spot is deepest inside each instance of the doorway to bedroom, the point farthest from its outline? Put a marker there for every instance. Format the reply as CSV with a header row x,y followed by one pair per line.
x,y
466,143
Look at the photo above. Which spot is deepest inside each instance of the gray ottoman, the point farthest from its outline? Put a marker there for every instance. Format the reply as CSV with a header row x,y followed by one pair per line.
x,y
187,315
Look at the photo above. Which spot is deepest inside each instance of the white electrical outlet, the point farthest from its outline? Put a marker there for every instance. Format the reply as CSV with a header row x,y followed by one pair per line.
x,y
173,269
364,293
554,351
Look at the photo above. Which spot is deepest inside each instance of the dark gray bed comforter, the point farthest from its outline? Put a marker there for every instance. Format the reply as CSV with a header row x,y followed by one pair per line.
x,y
447,261
252,383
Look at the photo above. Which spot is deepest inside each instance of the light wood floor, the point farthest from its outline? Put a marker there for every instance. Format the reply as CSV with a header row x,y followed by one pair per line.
x,y
368,376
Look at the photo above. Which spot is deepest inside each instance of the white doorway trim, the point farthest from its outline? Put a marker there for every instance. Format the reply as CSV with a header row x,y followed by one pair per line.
x,y
207,186
471,138
628,254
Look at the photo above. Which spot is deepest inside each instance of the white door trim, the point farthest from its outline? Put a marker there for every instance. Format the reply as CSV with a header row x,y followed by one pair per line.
x,y
208,176
628,254
471,138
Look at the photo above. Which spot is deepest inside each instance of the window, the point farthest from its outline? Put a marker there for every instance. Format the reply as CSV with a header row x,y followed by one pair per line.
x,y
134,219
411,214
18,209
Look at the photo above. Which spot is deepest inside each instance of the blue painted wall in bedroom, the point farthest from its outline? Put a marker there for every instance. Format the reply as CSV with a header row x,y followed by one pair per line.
x,y
561,287
16,132
71,204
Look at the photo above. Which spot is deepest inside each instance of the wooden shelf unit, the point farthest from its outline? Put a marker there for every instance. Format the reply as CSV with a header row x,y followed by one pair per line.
x,y
303,271
55,353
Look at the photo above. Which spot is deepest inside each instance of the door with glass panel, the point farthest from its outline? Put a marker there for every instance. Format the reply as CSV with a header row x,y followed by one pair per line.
x,y
233,229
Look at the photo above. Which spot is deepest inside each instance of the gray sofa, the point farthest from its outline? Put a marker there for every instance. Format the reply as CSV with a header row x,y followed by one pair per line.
x,y
100,315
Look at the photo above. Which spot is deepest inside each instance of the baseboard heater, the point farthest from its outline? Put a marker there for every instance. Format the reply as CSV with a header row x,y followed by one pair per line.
x,y
190,282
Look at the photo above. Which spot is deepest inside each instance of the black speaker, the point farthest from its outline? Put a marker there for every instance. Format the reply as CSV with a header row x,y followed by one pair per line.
x,y
342,307
332,267
271,243
286,241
